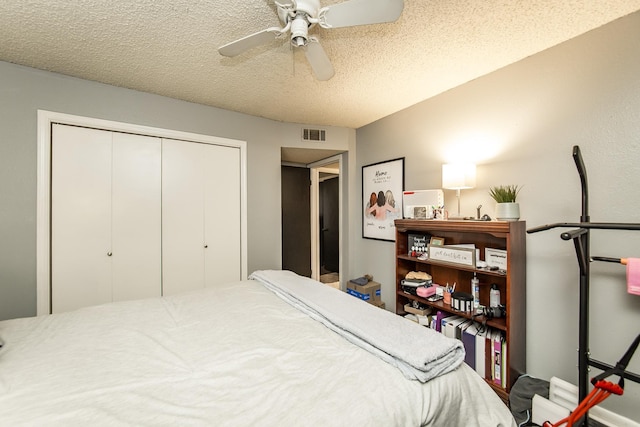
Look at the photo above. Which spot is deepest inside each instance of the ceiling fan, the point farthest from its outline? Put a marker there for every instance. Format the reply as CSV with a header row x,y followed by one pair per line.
x,y
299,16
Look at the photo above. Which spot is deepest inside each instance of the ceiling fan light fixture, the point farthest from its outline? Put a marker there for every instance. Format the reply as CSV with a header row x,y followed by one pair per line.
x,y
299,30
298,16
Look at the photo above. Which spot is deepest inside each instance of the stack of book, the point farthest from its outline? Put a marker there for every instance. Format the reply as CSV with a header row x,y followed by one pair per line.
x,y
486,348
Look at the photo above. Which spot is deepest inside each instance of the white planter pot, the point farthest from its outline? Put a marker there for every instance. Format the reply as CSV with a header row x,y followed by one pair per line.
x,y
507,211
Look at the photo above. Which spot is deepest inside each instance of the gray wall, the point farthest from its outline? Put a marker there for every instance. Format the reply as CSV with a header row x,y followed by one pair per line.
x,y
24,90
519,125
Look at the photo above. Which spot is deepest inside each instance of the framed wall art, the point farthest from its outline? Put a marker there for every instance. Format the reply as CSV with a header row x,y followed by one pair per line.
x,y
382,187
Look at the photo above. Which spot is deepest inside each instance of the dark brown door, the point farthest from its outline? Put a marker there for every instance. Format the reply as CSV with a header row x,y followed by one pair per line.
x,y
296,220
329,225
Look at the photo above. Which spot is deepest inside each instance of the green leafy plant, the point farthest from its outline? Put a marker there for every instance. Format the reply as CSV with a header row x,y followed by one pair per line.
x,y
504,193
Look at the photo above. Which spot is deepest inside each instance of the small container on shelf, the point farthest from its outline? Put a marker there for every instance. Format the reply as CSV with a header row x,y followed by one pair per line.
x,y
494,296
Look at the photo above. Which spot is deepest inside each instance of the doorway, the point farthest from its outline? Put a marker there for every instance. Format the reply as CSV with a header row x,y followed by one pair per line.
x,y
329,224
313,191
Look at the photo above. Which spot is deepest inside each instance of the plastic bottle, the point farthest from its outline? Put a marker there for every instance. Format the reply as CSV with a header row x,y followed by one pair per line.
x,y
475,289
494,296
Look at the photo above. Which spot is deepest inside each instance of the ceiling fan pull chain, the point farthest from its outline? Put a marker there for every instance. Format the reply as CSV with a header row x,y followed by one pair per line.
x,y
293,60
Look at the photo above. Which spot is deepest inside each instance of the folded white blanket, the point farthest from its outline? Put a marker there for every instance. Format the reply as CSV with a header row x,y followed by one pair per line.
x,y
420,353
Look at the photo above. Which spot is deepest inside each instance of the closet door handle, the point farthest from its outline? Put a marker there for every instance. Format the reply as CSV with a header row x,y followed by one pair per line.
x,y
109,253
206,246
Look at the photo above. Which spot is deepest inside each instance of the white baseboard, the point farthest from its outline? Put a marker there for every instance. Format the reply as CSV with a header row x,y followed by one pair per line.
x,y
543,410
565,395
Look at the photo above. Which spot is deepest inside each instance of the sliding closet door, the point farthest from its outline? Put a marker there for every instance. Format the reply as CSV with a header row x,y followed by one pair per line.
x,y
105,217
201,215
80,217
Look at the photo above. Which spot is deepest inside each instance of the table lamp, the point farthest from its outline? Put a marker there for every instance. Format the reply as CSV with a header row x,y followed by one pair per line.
x,y
458,176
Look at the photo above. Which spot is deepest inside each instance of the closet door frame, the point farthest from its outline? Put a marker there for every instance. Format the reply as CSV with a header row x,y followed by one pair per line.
x,y
43,211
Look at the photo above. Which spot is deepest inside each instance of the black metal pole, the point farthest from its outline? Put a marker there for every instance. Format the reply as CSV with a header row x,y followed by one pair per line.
x,y
583,327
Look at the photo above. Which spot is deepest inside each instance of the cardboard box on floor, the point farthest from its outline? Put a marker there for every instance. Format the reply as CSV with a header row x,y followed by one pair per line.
x,y
379,304
369,292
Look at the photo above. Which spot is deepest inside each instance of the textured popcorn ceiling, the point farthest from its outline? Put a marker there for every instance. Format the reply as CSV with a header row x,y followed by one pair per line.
x,y
169,47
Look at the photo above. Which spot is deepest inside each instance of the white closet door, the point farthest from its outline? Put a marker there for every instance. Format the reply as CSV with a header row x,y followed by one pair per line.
x,y
80,217
201,221
222,214
182,216
137,228
105,223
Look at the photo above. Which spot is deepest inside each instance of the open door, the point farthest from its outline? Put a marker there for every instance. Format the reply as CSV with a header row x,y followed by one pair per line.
x,y
296,227
328,204
326,208
312,238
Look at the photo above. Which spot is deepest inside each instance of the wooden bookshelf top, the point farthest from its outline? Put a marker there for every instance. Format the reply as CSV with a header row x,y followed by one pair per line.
x,y
493,227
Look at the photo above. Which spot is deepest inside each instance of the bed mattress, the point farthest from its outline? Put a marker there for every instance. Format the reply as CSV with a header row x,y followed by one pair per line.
x,y
230,355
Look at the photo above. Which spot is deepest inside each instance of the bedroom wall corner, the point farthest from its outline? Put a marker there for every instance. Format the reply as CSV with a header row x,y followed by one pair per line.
x,y
521,122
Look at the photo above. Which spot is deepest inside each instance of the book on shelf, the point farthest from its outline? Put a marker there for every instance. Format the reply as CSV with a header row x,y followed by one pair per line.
x,y
440,315
469,342
504,360
496,357
481,352
448,330
453,328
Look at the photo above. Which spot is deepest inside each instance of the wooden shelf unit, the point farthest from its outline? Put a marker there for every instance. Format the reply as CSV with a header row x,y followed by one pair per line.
x,y
509,236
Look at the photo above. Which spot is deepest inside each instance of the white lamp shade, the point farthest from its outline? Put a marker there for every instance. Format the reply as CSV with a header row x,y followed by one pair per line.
x,y
458,176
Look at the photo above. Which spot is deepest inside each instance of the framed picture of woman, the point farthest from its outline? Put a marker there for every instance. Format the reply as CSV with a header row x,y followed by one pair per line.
x,y
382,187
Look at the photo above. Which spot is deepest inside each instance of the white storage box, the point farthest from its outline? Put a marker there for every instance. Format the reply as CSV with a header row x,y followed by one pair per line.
x,y
421,203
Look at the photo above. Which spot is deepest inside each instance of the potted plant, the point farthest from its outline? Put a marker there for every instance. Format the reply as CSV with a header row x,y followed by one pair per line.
x,y
507,208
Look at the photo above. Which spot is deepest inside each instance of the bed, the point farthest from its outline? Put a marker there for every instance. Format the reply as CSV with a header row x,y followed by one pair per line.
x,y
250,353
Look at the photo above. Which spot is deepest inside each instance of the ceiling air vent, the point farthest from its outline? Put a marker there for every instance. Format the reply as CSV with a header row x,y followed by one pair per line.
x,y
315,135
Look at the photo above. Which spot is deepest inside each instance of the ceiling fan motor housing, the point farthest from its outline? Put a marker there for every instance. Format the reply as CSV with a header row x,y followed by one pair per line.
x,y
298,14
288,11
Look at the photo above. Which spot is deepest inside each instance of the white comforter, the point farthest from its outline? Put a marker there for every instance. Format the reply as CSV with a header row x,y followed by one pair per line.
x,y
233,355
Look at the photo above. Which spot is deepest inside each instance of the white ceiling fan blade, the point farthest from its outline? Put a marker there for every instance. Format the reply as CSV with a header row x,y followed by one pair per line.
x,y
249,42
318,59
362,12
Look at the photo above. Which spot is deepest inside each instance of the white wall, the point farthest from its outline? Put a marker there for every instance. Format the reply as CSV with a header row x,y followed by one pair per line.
x,y
519,125
25,90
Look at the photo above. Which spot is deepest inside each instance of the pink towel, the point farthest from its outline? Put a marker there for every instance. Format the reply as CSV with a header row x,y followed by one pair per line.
x,y
633,275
